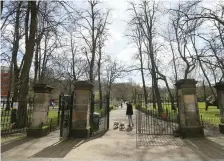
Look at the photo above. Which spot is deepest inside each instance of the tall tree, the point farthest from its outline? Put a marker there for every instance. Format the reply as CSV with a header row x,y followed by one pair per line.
x,y
31,12
95,22
136,36
146,17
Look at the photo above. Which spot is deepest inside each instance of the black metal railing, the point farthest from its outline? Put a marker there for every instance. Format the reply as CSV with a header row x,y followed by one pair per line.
x,y
210,123
101,116
152,122
13,119
54,116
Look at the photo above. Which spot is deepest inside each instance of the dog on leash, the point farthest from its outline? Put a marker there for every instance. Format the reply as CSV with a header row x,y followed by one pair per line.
x,y
116,124
121,126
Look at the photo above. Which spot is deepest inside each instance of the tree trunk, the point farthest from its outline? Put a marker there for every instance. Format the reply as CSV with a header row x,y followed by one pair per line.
x,y
206,77
44,62
10,87
24,87
155,85
143,78
149,26
93,51
153,95
36,64
175,71
1,6
73,60
15,49
170,95
205,100
99,76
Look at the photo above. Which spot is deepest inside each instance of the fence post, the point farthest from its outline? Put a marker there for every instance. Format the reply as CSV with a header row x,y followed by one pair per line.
x,y
59,108
50,124
202,123
108,110
220,96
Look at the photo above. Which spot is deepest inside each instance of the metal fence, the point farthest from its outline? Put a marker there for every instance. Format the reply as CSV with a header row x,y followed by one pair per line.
x,y
11,117
151,122
101,116
211,123
54,116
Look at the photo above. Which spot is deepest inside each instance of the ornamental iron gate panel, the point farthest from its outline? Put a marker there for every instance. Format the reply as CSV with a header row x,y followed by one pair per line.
x,y
65,106
101,116
151,121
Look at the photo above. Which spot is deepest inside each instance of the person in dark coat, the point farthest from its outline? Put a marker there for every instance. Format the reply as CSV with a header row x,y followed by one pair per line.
x,y
129,113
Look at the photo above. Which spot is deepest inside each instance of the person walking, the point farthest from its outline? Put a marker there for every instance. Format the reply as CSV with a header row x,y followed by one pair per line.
x,y
129,113
52,103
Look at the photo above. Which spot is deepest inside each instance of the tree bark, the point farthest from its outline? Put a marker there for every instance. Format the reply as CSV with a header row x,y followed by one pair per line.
x,y
143,78
1,6
205,97
16,70
99,75
93,51
36,64
24,87
206,77
14,75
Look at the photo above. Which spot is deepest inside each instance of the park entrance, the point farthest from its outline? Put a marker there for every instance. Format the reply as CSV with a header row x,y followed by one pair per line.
x,y
100,123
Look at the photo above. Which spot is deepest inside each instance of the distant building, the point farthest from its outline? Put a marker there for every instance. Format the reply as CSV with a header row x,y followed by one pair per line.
x,y
5,79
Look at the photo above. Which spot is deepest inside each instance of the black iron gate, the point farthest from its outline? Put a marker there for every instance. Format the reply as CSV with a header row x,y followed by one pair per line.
x,y
151,121
101,115
65,106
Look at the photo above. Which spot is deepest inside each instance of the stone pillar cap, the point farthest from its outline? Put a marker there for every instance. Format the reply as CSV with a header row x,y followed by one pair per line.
x,y
42,88
186,83
83,85
219,85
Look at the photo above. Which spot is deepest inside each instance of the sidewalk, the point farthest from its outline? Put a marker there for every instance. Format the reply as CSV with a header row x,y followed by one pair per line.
x,y
116,145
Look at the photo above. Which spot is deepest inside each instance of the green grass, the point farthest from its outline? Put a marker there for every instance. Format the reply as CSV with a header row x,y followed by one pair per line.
x,y
53,117
53,114
212,115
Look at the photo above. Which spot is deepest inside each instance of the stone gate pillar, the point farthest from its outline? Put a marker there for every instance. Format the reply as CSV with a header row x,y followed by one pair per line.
x,y
81,110
42,93
190,125
220,95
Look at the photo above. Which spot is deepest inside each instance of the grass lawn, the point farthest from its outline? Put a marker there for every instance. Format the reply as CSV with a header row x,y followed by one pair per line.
x,y
53,116
211,116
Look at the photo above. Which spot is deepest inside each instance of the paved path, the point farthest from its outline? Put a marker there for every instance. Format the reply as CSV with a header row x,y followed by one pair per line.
x,y
116,145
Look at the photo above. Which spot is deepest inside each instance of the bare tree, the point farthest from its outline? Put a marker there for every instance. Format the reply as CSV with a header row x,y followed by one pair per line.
x,y
146,17
114,70
47,41
94,22
181,39
136,36
30,43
